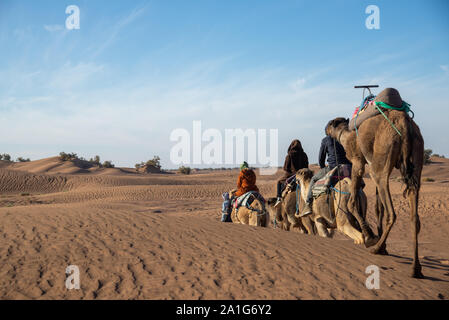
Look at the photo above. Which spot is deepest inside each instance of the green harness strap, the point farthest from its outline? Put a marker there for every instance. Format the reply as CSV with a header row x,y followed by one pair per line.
x,y
379,104
385,116
404,107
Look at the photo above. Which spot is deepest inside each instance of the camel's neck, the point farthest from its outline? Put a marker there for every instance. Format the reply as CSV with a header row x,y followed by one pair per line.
x,y
342,136
304,187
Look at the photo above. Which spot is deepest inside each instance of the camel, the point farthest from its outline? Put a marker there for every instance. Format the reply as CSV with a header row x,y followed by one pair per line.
x,y
382,148
285,215
332,213
257,216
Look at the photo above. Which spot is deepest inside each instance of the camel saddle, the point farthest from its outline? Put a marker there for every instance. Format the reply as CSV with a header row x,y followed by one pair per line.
x,y
246,199
368,108
330,179
289,186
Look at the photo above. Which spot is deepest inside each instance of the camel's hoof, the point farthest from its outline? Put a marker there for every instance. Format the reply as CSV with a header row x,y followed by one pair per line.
x,y
371,242
380,251
416,273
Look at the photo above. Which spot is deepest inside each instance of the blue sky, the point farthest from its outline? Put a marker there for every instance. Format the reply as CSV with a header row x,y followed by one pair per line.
x,y
136,70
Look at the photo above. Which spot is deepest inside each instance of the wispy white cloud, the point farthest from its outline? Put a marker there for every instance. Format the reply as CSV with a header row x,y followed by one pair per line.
x,y
53,27
68,76
445,68
117,28
298,84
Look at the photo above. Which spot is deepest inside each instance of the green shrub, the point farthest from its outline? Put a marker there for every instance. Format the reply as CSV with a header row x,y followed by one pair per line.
x,y
438,155
20,159
95,161
108,164
68,156
155,162
184,170
5,157
427,154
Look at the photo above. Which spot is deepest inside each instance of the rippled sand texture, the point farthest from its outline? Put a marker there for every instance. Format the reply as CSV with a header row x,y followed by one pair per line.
x,y
159,236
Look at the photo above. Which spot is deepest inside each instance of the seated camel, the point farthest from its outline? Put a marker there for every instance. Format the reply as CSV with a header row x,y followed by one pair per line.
x,y
333,213
254,215
285,214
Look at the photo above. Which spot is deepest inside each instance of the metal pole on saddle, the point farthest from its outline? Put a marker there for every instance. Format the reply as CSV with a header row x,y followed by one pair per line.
x,y
364,99
367,87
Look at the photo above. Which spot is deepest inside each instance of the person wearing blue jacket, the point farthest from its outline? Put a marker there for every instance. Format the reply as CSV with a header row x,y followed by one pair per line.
x,y
336,155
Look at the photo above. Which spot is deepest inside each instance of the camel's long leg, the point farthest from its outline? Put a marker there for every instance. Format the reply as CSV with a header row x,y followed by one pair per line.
x,y
413,195
379,208
357,174
342,219
379,213
322,230
351,232
385,196
308,224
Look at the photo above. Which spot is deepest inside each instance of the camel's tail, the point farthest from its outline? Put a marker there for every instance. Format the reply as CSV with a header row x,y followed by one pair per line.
x,y
412,157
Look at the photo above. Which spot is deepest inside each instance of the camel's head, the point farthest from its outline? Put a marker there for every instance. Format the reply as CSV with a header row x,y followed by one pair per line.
x,y
274,211
334,126
304,175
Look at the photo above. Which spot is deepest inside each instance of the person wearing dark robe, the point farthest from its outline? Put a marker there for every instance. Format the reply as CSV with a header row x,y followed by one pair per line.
x,y
296,159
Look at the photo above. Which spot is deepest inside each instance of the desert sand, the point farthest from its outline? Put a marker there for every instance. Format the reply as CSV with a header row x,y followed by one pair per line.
x,y
159,236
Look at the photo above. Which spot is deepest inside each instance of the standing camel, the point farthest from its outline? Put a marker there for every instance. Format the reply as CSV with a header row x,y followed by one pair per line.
x,y
380,146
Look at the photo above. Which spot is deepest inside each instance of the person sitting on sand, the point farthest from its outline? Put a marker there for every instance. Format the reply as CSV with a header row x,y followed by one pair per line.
x,y
296,159
336,155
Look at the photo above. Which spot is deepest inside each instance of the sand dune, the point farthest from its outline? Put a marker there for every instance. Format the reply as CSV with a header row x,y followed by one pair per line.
x,y
156,236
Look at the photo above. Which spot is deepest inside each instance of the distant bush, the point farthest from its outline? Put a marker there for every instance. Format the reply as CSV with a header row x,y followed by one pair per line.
x,y
155,162
429,179
20,159
5,157
438,155
427,154
108,164
68,156
95,161
184,170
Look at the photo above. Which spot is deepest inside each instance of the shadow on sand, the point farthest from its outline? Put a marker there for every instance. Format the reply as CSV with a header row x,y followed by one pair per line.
x,y
427,262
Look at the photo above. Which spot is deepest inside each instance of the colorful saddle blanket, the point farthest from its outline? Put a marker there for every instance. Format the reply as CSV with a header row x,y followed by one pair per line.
x,y
330,179
368,110
246,199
